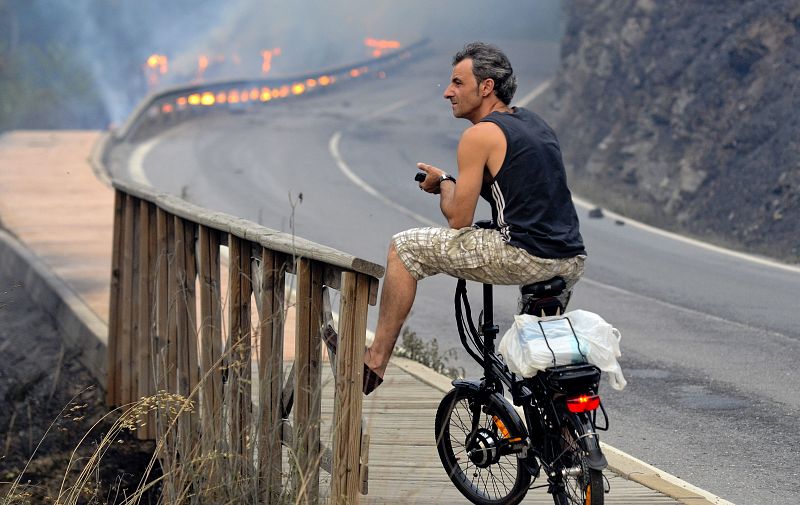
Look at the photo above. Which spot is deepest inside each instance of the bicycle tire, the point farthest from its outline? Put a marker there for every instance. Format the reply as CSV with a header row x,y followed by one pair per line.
x,y
586,487
504,482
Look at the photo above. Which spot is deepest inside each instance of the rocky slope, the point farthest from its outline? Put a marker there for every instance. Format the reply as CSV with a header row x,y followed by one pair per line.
x,y
686,115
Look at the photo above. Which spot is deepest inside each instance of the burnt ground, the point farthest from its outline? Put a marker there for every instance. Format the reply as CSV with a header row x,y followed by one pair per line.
x,y
51,401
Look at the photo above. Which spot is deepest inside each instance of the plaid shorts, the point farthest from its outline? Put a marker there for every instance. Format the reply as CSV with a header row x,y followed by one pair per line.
x,y
479,255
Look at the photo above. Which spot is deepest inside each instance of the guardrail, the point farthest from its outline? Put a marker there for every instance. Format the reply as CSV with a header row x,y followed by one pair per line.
x,y
168,336
167,253
178,102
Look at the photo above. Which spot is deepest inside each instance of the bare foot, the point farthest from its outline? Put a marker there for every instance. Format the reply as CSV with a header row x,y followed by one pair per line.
x,y
374,362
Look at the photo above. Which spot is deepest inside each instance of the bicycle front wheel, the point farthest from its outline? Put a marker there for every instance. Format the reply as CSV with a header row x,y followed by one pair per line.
x,y
582,485
473,439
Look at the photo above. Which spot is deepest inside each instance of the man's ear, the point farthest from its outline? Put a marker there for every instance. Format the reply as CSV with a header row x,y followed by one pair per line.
x,y
487,86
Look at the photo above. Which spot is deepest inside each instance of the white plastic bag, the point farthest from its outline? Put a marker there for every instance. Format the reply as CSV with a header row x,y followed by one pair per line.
x,y
526,350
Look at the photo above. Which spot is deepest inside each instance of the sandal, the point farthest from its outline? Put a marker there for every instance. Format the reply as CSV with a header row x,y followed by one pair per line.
x,y
371,379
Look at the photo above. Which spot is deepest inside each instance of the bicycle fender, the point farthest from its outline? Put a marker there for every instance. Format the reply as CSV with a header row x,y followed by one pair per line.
x,y
498,401
590,442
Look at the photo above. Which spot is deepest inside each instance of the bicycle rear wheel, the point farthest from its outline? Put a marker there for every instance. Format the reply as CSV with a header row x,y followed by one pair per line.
x,y
472,437
582,485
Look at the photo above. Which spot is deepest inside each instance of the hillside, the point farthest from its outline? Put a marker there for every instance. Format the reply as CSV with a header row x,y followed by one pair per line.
x,y
685,115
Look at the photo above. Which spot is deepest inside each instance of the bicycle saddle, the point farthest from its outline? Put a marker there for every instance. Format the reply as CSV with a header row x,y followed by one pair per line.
x,y
542,298
550,287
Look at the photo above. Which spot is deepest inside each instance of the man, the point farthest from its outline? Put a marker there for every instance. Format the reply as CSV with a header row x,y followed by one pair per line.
x,y
510,157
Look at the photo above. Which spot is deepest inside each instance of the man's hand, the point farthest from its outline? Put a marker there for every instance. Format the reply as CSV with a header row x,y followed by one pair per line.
x,y
431,182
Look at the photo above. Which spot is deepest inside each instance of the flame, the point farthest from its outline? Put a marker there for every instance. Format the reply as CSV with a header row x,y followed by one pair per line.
x,y
181,101
233,96
325,80
266,57
207,98
298,88
194,99
222,97
202,65
166,108
266,96
381,43
311,83
156,65
358,71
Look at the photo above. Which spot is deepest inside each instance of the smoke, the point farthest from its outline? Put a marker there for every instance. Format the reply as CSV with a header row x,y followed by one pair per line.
x,y
110,40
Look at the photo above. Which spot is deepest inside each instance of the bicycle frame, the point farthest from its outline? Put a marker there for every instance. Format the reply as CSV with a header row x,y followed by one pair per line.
x,y
542,405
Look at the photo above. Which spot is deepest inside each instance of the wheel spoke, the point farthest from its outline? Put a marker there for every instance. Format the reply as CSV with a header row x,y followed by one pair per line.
x,y
501,481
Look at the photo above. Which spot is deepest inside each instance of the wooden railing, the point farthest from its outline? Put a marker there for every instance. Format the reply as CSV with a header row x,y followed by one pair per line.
x,y
169,339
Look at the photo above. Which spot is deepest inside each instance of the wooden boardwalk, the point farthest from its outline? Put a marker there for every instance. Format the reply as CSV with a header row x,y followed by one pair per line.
x,y
404,466
52,202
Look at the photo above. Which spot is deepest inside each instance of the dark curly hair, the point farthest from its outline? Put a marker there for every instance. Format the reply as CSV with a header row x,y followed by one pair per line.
x,y
489,62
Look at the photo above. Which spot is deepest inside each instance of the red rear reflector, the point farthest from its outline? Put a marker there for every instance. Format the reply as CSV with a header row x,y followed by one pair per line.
x,y
583,403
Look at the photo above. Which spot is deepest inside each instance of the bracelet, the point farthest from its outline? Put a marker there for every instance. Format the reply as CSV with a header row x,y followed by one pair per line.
x,y
446,177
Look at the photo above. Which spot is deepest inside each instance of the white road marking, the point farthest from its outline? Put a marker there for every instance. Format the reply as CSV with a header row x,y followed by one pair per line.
x,y
136,162
333,147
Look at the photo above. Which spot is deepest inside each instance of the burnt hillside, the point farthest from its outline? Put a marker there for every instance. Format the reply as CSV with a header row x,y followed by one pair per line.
x,y
686,115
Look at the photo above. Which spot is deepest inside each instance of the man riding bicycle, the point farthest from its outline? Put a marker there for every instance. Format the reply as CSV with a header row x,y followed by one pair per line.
x,y
511,158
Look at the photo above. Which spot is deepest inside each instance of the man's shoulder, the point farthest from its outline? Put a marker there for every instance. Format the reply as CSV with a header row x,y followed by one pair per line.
x,y
483,131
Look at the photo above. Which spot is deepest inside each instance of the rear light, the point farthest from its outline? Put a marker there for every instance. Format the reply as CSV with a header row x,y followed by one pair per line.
x,y
583,403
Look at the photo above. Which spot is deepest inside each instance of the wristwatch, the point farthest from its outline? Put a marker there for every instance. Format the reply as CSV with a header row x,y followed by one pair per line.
x,y
446,177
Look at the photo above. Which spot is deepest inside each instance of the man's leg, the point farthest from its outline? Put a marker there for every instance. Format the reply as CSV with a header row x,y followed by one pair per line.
x,y
397,297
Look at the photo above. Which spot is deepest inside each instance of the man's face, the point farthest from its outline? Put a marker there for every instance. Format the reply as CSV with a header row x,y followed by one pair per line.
x,y
463,90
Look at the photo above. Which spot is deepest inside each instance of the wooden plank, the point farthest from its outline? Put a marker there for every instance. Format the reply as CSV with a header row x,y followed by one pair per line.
x,y
171,361
210,335
134,303
189,287
114,322
152,254
238,348
180,302
346,480
373,291
144,303
126,316
162,300
308,379
270,368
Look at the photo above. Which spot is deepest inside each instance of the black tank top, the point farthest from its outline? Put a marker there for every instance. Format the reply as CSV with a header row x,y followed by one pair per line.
x,y
530,200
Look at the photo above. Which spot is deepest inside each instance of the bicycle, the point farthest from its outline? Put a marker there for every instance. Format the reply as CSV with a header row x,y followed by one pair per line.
x,y
490,454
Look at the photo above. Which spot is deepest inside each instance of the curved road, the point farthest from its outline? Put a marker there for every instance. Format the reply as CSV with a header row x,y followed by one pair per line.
x,y
710,339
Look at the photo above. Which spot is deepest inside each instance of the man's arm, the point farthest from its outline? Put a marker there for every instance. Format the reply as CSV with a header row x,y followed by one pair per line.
x,y
479,145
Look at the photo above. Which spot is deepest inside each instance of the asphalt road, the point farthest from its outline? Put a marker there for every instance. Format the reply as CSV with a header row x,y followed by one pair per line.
x,y
710,340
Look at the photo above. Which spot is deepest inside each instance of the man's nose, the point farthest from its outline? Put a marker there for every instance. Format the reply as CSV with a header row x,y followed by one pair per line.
x,y
447,93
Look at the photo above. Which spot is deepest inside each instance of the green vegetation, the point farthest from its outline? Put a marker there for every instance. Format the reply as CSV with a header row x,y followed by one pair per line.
x,y
428,353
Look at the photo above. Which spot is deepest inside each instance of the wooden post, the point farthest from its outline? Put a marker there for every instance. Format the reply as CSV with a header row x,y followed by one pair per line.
x,y
190,285
152,309
210,336
171,362
125,336
185,317
345,481
144,302
270,368
181,309
238,348
308,379
162,300
114,322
